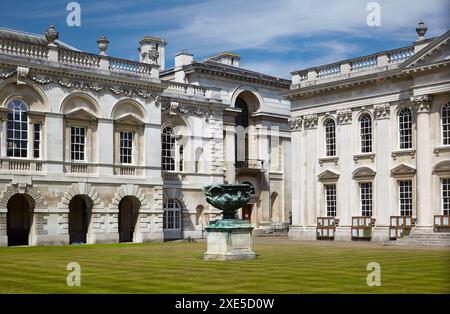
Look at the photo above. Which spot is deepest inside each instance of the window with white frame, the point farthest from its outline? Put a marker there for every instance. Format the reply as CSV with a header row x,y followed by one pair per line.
x,y
330,199
78,143
365,192
181,153
17,124
172,215
405,128
126,147
37,140
445,114
330,137
405,197
446,196
366,133
168,149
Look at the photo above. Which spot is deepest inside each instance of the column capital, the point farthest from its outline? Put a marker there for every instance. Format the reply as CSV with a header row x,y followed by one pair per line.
x,y
295,123
382,111
344,116
310,121
422,103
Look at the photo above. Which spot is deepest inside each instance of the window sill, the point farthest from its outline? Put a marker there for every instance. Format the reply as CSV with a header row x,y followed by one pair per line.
x,y
441,149
364,156
404,153
331,159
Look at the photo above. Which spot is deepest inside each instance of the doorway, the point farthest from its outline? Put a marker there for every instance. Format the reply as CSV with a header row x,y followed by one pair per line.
x,y
79,218
128,216
19,219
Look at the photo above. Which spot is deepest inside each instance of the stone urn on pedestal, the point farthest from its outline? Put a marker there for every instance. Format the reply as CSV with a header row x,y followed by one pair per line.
x,y
228,238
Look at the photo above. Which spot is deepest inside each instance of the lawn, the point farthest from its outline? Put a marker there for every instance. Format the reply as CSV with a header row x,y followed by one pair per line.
x,y
281,266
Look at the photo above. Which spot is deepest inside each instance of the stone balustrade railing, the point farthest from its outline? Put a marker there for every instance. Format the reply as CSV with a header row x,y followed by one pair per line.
x,y
19,48
192,90
79,59
352,67
9,165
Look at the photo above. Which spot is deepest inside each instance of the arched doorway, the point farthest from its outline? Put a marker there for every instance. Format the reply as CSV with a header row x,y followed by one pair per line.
x,y
128,216
79,218
19,219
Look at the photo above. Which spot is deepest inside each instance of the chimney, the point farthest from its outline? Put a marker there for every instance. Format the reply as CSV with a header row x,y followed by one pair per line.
x,y
153,50
227,58
183,58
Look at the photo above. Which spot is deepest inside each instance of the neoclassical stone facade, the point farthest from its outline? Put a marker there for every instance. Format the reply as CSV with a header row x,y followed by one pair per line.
x,y
370,138
98,149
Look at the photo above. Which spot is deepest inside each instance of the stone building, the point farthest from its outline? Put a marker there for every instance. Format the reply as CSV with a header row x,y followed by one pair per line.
x,y
98,149
371,138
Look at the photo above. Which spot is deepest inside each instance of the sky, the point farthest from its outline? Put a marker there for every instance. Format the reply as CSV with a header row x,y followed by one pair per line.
x,y
274,37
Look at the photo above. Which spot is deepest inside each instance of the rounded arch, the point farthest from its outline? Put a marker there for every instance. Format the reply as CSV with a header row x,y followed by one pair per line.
x,y
81,188
178,122
275,213
32,193
128,190
80,101
251,96
364,113
200,218
402,107
30,93
127,107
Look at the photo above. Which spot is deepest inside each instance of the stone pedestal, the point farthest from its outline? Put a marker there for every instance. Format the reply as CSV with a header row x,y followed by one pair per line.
x,y
229,239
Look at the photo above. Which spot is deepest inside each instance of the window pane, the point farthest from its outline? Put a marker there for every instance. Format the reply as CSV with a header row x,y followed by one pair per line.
x,y
405,128
446,196
77,146
405,198
366,198
330,138
366,133
17,123
330,199
446,124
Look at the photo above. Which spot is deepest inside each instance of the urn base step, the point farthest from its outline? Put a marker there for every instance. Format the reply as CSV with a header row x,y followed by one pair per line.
x,y
229,256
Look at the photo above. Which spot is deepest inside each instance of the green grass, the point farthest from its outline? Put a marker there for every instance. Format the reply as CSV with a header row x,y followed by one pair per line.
x,y
281,266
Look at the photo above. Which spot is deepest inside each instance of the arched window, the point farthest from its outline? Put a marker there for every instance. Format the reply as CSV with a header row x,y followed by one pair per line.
x,y
17,139
330,138
172,215
366,133
405,128
446,124
168,149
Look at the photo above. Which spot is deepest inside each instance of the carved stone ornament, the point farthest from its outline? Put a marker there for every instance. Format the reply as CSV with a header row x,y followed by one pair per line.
x,y
51,34
310,121
381,111
422,103
295,123
344,116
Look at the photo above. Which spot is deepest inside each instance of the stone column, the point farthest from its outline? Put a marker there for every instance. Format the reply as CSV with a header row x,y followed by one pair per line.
x,y
424,205
382,189
296,175
54,137
230,154
105,132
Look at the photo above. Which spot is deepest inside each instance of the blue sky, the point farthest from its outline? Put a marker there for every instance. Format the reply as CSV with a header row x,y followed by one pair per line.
x,y
275,37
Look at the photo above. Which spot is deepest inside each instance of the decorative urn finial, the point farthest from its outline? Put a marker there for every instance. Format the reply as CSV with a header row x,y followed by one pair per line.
x,y
51,34
102,43
421,29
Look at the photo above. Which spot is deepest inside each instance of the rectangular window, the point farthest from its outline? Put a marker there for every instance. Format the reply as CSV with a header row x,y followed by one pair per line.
x,y
405,198
330,199
181,150
365,189
366,134
446,196
37,140
77,143
126,147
